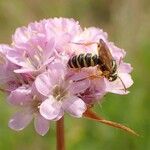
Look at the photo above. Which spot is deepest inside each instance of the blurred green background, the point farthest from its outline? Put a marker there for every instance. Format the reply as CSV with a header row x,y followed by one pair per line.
x,y
128,25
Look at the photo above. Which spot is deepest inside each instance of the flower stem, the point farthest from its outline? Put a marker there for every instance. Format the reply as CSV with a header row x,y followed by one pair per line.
x,y
60,134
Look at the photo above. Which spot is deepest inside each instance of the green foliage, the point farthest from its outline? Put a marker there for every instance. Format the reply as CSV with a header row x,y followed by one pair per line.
x,y
127,23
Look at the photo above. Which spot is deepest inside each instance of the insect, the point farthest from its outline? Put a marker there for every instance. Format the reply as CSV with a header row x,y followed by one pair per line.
x,y
103,60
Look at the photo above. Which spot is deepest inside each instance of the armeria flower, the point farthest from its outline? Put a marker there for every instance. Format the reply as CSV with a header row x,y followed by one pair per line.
x,y
28,102
61,93
32,56
37,79
35,46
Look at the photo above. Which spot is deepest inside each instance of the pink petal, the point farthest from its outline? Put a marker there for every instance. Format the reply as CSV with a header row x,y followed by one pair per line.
x,y
41,125
74,106
4,49
20,120
117,52
58,67
50,108
49,49
79,87
126,78
91,34
76,76
125,68
119,91
21,96
95,92
61,113
117,86
21,35
24,70
15,56
43,84
48,61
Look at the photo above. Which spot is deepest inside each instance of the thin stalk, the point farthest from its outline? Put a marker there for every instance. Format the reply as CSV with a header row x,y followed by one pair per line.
x,y
60,134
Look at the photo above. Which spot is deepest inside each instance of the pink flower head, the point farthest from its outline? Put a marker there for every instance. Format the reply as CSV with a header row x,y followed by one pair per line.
x,y
35,74
61,93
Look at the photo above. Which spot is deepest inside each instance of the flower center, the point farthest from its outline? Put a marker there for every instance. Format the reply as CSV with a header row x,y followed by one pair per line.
x,y
59,93
35,60
35,104
2,59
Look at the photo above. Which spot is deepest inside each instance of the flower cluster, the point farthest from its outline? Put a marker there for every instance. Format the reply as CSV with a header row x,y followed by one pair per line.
x,y
36,78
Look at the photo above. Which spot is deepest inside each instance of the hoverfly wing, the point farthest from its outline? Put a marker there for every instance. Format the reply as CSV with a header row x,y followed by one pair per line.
x,y
105,55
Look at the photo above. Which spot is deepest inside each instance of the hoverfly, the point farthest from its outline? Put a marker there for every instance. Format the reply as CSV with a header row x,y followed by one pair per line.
x,y
103,60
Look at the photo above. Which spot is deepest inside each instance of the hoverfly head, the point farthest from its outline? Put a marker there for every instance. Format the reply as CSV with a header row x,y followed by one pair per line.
x,y
113,77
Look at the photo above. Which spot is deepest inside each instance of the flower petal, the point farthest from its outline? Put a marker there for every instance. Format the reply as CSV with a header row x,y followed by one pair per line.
x,y
43,84
41,125
74,106
20,120
125,68
95,92
117,86
117,52
24,70
15,56
79,87
21,35
21,96
50,108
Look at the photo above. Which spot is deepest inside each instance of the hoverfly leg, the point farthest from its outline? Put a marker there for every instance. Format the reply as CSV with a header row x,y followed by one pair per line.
x,y
120,59
125,89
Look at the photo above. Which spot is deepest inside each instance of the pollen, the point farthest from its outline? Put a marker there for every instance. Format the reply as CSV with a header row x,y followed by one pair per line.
x,y
2,59
59,93
35,104
40,48
37,58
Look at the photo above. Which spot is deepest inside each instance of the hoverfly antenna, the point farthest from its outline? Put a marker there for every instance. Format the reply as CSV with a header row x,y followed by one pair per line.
x,y
125,89
120,59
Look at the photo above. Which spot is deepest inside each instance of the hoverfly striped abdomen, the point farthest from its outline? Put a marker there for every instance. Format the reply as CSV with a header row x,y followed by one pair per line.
x,y
83,60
